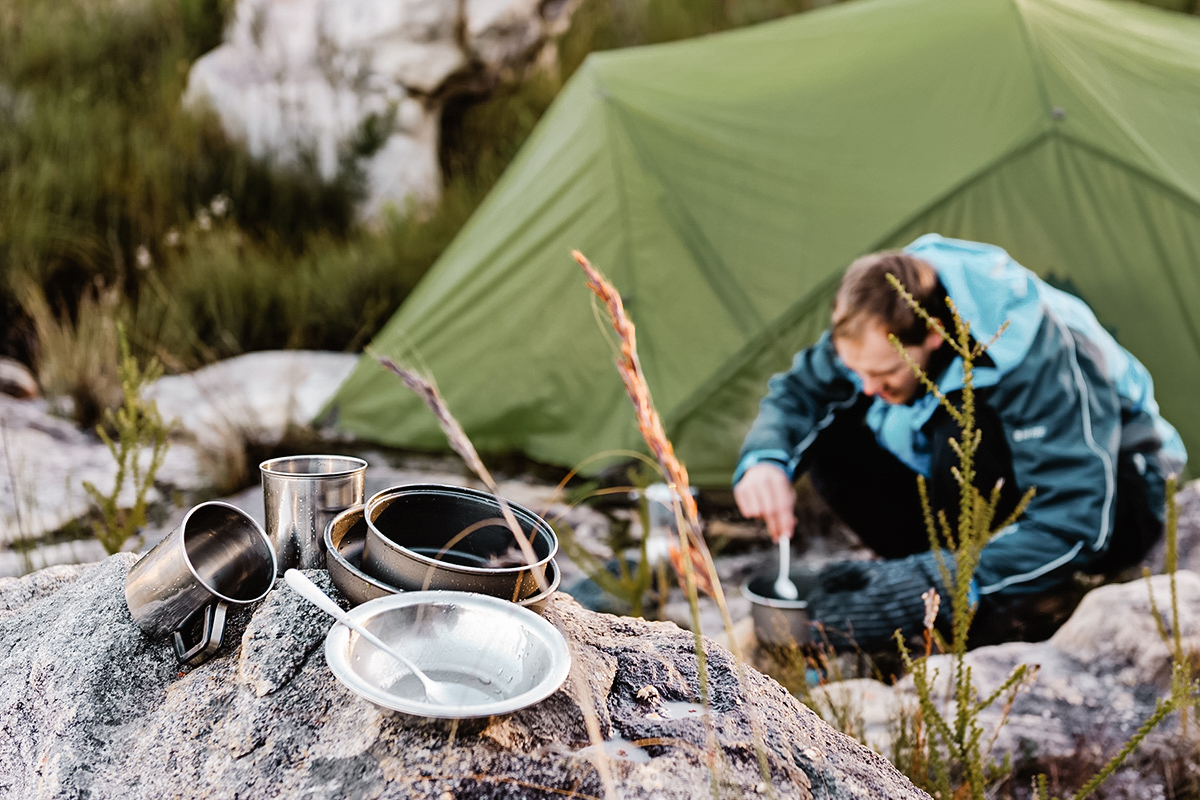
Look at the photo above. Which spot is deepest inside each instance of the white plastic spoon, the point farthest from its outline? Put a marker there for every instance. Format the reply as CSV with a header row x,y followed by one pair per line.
x,y
784,588
442,693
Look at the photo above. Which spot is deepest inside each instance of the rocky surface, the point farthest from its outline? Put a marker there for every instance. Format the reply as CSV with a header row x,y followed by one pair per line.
x,y
254,399
16,380
1099,676
90,707
217,413
310,76
1187,503
1098,679
44,461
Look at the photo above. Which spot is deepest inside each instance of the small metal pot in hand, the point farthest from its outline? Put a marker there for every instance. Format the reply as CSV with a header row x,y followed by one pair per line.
x,y
779,622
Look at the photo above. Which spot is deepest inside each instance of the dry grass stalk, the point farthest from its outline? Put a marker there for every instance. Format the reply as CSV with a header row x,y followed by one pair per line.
x,y
695,568
459,442
650,425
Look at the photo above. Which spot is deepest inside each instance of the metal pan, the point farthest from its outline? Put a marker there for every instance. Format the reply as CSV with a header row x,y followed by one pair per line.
x,y
426,536
344,540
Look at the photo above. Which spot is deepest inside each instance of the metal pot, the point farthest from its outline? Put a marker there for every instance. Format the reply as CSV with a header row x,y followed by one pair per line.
x,y
344,540
778,622
427,536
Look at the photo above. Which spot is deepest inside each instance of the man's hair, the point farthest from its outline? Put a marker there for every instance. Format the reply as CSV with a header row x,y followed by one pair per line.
x,y
865,294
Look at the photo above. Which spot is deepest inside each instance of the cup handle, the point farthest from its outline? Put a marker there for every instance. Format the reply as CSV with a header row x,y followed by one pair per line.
x,y
210,639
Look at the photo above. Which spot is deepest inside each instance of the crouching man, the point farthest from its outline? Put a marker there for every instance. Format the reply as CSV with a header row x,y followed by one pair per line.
x,y
1062,408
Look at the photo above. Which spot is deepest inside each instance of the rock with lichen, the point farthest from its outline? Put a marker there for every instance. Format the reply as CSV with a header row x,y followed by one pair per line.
x,y
90,706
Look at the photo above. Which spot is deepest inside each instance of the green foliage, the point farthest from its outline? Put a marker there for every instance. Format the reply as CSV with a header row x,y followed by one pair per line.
x,y
631,587
946,753
136,425
99,163
609,24
76,364
950,756
219,292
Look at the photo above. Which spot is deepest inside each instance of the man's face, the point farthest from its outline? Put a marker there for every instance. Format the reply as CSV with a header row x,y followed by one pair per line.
x,y
883,372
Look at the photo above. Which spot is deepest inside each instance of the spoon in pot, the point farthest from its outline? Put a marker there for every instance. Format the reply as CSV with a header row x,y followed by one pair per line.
x,y
448,694
784,588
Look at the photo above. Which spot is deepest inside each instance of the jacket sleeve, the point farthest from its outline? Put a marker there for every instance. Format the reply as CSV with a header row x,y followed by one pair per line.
x,y
798,404
1061,416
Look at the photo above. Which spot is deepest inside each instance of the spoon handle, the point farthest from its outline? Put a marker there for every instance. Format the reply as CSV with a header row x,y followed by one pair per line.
x,y
313,594
784,588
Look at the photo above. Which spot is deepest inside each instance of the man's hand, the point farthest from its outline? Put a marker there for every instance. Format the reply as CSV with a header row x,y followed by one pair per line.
x,y
766,493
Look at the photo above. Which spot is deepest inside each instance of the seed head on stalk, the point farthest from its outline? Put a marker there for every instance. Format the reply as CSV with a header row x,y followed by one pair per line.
x,y
694,567
650,424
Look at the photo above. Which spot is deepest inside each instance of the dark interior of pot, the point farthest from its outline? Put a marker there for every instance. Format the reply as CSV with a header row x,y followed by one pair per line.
x,y
463,529
763,585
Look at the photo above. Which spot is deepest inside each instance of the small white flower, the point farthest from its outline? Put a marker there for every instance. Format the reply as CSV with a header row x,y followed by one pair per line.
x,y
219,206
933,602
203,220
172,237
143,257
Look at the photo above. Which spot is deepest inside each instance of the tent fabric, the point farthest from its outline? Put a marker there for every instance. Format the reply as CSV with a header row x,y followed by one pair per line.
x,y
724,183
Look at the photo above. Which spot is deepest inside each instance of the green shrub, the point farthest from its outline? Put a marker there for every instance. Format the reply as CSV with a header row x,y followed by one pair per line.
x,y
127,432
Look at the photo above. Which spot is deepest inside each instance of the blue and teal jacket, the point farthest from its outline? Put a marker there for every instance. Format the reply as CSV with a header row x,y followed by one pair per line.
x,y
1070,400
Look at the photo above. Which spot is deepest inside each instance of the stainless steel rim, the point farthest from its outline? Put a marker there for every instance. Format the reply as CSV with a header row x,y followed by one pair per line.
x,y
351,466
258,529
539,525
553,573
771,602
337,644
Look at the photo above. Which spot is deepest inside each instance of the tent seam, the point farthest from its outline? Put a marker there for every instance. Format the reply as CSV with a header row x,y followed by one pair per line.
x,y
1035,57
759,343
1039,68
1116,160
1002,160
751,349
1137,172
612,120
619,180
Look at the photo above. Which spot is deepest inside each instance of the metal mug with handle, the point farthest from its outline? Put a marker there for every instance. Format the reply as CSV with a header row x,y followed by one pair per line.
x,y
301,496
217,556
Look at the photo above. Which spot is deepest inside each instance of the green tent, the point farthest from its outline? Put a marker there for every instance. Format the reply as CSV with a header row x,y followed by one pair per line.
x,y
724,183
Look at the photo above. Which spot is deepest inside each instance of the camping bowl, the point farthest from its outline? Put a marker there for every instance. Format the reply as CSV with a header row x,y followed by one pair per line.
x,y
779,622
426,536
506,656
344,540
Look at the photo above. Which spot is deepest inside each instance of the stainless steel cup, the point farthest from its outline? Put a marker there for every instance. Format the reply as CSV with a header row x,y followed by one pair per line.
x,y
218,555
302,494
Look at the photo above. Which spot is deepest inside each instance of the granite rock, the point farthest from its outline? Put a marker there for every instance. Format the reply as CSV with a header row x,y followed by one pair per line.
x,y
305,77
89,706
1098,679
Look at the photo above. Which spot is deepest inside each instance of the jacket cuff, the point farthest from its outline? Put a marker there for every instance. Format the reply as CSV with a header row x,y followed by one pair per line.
x,y
778,458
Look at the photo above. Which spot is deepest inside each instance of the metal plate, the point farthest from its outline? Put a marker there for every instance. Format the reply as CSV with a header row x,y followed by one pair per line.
x,y
489,645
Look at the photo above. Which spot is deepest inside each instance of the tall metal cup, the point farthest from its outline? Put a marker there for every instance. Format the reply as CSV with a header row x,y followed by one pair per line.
x,y
218,555
301,495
